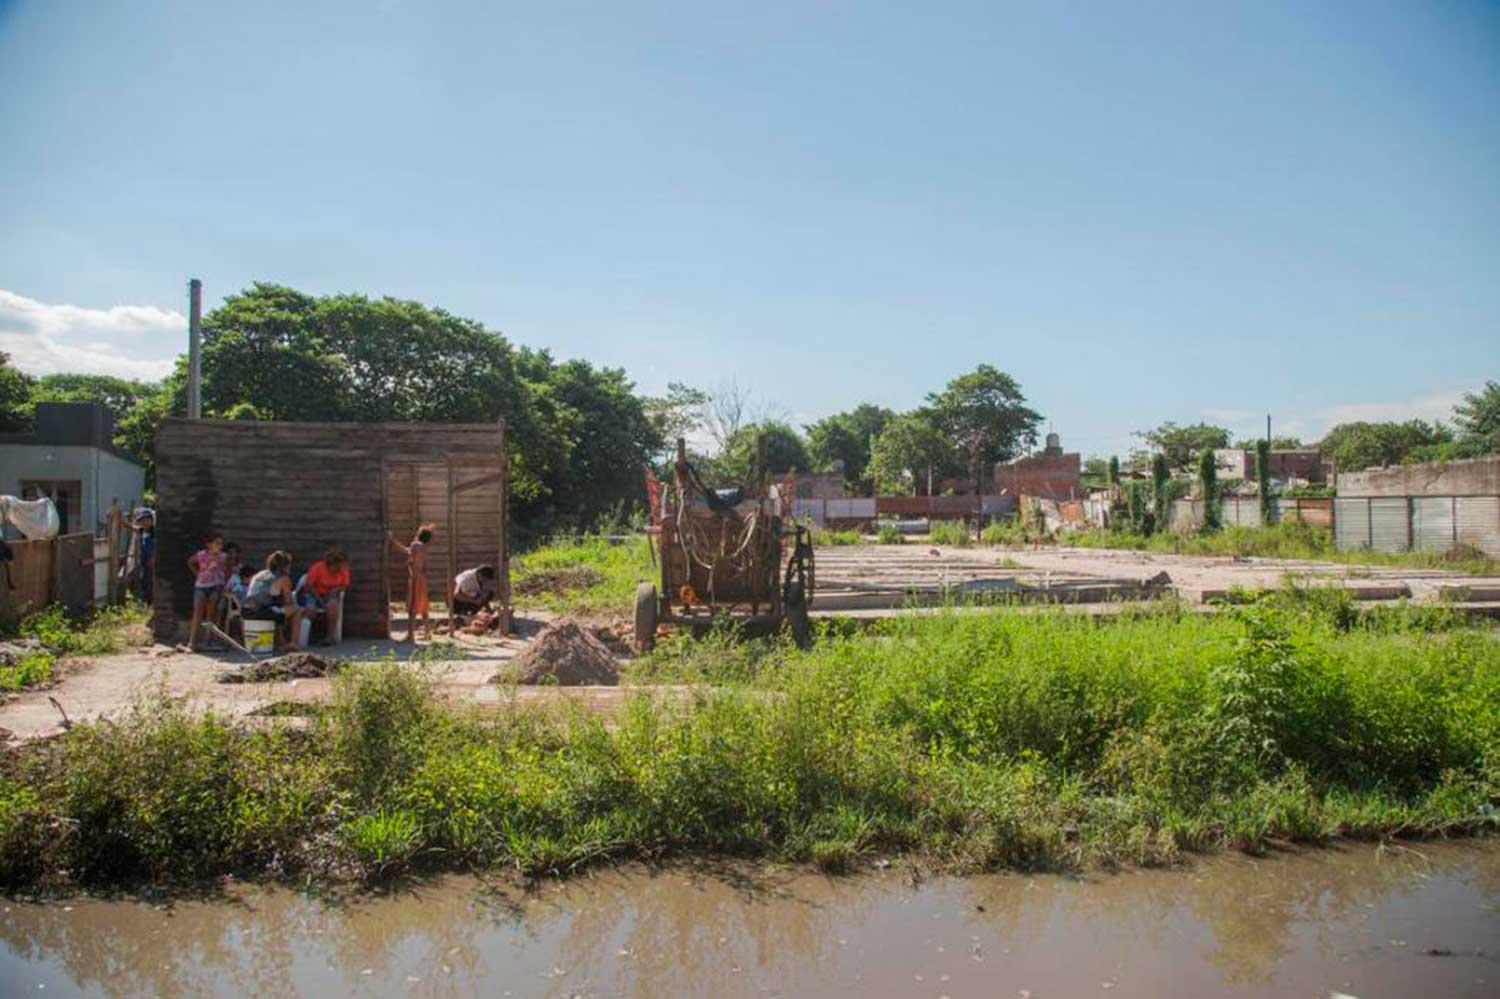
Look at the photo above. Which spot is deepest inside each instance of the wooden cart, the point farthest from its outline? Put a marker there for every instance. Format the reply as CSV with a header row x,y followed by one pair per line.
x,y
726,556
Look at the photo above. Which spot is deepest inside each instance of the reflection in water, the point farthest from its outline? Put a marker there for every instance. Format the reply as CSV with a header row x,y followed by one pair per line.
x,y
1330,920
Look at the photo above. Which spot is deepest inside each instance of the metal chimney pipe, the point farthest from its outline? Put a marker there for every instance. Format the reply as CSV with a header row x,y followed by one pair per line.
x,y
195,350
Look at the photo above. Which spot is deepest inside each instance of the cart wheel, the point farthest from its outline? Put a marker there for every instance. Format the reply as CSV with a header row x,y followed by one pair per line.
x,y
796,616
645,616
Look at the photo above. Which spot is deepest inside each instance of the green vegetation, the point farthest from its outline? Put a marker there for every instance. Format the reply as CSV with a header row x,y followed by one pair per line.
x,y
103,632
583,573
1263,478
976,741
889,534
950,532
823,536
1208,487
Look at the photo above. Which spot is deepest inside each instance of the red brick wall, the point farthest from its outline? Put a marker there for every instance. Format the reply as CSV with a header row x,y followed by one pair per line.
x,y
1046,475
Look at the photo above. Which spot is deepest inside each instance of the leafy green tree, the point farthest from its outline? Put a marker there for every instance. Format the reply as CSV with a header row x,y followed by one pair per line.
x,y
15,397
1477,419
1277,443
1208,485
1182,445
905,451
1161,489
986,404
848,437
676,414
122,396
1359,445
785,452
1114,470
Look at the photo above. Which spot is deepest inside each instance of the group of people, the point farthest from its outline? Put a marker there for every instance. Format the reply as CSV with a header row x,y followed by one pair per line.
x,y
221,575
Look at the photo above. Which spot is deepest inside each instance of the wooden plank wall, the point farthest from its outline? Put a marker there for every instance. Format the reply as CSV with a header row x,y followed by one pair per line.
x,y
59,569
299,487
417,493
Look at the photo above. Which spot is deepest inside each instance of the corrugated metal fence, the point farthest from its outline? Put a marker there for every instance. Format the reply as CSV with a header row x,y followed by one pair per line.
x,y
863,510
1244,511
1421,523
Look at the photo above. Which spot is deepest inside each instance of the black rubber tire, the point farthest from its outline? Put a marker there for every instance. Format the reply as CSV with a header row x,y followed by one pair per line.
x,y
797,618
645,616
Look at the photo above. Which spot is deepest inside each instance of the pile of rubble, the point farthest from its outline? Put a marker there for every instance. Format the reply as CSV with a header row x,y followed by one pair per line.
x,y
569,655
292,666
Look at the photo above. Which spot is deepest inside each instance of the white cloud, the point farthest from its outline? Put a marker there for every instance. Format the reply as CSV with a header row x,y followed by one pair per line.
x,y
131,341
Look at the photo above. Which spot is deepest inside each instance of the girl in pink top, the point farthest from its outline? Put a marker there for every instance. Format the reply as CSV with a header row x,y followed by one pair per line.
x,y
210,569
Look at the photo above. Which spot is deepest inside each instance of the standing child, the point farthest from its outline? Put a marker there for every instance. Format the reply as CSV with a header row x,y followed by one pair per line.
x,y
210,569
416,580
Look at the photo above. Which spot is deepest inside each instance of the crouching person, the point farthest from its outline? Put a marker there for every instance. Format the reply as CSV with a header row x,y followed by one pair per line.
x,y
473,589
322,590
269,598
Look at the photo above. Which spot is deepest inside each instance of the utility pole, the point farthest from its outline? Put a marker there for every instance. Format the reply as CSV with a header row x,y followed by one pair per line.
x,y
1268,429
195,350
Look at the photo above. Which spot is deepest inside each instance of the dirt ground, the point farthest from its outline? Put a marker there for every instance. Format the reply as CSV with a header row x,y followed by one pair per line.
x,y
854,576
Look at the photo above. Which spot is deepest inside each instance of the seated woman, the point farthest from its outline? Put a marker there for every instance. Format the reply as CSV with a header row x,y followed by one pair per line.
x,y
473,589
322,590
269,598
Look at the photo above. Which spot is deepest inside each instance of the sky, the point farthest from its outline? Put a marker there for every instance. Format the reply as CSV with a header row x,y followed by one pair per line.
x,y
1143,212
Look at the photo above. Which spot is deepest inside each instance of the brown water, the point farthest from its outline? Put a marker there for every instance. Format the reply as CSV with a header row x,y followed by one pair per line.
x,y
1354,920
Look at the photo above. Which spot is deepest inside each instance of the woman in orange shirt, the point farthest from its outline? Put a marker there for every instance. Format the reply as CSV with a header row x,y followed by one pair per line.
x,y
324,586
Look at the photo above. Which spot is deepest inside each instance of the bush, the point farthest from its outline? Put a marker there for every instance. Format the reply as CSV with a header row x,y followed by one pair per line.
x,y
950,532
889,534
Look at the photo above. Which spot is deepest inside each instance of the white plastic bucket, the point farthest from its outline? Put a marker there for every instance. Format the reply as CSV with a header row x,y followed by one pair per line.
x,y
260,637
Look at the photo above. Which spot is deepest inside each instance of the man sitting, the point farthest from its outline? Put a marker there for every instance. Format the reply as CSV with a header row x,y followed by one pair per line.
x,y
322,590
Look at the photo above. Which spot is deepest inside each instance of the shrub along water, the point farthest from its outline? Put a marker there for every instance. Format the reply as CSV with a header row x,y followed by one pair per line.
x,y
977,740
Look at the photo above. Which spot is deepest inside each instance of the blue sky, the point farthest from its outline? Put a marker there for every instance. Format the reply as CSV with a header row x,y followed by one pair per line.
x,y
1142,211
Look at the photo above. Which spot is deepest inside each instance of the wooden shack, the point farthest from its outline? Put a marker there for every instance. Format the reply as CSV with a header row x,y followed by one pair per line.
x,y
305,486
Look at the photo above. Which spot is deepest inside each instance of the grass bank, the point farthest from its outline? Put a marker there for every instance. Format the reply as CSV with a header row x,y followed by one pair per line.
x,y
974,741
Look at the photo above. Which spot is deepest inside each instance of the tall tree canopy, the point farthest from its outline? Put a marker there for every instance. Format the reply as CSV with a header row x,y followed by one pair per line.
x,y
1477,419
847,437
905,451
1182,445
785,451
985,405
15,397
1354,446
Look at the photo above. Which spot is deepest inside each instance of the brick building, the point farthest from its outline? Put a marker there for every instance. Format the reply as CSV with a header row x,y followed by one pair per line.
x,y
1052,474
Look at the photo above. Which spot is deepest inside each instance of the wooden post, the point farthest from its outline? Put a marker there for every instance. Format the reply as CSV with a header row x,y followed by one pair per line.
x,y
452,544
503,567
385,551
112,533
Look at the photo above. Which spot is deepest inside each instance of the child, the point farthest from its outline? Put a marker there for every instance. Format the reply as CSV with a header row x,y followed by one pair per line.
x,y
416,580
210,569
239,582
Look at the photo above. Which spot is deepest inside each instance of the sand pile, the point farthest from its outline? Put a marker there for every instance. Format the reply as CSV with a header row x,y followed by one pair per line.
x,y
569,655
292,666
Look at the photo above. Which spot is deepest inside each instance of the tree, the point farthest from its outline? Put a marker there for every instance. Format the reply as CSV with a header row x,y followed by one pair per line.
x,y
1161,490
1182,445
1359,445
785,452
122,396
15,397
1208,485
1277,443
1114,470
1477,419
847,438
986,406
676,414
905,451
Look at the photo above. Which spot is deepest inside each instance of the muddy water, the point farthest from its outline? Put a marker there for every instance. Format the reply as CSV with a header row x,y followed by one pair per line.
x,y
1354,920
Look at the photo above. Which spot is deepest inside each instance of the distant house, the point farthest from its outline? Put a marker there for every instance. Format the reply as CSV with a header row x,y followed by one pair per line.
x,y
69,458
1052,474
1305,463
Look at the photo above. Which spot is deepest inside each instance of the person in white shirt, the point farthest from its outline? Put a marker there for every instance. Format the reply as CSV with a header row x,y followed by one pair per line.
x,y
473,589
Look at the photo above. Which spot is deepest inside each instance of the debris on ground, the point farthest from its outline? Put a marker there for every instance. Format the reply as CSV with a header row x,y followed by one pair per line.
x,y
1162,578
618,638
292,666
161,651
569,655
16,649
558,581
481,623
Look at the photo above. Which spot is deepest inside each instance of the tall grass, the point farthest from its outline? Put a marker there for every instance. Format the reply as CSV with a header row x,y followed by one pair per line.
x,y
102,631
950,532
979,741
611,570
